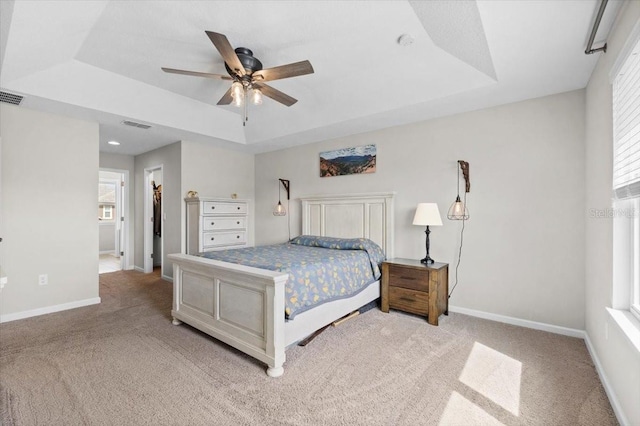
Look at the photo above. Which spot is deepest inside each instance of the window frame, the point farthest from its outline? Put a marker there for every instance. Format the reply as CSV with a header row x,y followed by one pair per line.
x,y
107,212
625,202
634,291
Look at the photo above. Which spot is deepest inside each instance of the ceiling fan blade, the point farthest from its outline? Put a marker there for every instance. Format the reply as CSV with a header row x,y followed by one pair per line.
x,y
197,74
284,71
226,99
221,43
275,94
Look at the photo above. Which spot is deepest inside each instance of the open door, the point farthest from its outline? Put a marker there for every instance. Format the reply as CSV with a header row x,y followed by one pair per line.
x,y
153,216
112,220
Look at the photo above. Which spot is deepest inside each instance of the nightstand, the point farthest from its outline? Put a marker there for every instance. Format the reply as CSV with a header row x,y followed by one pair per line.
x,y
411,286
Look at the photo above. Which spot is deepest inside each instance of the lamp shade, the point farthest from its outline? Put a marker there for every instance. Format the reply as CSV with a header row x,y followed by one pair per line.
x,y
427,214
458,210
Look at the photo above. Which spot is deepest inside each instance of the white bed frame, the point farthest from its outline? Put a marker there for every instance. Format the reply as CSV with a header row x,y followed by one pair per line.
x,y
244,306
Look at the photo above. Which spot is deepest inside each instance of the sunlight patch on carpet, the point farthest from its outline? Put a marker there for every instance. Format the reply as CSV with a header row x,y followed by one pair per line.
x,y
494,375
458,407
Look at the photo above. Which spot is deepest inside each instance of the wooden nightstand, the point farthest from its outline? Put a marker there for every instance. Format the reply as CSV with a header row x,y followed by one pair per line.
x,y
414,287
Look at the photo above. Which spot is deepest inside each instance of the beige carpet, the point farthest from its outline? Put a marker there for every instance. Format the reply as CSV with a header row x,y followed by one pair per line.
x,y
123,363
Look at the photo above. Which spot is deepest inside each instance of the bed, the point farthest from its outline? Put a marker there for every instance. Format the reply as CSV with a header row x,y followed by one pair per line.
x,y
244,306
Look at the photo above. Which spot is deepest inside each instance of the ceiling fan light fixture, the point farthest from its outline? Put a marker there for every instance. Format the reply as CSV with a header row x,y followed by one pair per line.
x,y
237,93
256,97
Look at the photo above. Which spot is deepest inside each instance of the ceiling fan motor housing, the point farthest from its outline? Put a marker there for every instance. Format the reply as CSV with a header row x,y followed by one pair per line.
x,y
248,61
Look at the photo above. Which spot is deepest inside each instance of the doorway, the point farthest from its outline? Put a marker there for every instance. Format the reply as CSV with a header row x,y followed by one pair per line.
x,y
112,220
154,219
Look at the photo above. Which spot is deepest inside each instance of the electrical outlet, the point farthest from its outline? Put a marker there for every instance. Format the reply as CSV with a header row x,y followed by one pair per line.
x,y
43,279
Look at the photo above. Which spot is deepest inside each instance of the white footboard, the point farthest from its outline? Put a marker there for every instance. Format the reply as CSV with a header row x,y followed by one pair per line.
x,y
239,305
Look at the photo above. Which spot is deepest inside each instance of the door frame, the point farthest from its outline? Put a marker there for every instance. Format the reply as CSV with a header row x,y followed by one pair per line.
x,y
148,220
123,211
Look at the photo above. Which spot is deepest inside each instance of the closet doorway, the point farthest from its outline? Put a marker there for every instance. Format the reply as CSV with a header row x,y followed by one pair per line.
x,y
154,218
112,220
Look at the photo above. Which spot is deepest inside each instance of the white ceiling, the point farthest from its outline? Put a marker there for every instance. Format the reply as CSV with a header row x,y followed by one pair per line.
x,y
100,60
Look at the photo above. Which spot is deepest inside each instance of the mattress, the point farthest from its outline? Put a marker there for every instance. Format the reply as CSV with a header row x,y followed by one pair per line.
x,y
321,269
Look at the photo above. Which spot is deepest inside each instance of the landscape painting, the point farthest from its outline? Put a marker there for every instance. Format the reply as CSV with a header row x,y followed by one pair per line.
x,y
348,161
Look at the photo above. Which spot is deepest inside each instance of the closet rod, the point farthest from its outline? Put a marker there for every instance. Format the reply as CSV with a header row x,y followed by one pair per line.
x,y
594,30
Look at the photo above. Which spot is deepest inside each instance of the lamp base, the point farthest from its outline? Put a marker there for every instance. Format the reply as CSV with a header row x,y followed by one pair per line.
x,y
427,260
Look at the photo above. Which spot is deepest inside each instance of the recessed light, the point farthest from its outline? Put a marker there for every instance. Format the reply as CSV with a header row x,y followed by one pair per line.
x,y
113,143
405,40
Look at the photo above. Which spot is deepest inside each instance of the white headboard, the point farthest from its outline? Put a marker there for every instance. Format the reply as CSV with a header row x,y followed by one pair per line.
x,y
351,216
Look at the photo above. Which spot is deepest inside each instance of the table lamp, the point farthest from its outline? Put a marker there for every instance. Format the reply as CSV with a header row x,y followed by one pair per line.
x,y
427,214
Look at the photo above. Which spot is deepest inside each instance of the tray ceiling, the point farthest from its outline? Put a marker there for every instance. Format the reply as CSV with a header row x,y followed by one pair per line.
x,y
101,60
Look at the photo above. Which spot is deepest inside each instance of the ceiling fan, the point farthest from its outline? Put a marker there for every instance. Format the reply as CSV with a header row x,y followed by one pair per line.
x,y
247,75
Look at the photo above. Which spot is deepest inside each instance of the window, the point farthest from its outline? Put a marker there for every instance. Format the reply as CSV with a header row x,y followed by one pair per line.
x,y
626,173
107,212
106,201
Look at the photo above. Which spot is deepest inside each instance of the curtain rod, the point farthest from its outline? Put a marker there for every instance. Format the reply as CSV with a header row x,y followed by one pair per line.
x,y
594,30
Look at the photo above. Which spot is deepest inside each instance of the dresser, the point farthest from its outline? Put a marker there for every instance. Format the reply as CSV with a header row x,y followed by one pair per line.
x,y
411,286
215,224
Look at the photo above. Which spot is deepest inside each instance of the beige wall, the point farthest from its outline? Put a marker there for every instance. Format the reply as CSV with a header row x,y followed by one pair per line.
x,y
523,252
107,237
211,171
169,157
124,162
620,361
217,172
49,193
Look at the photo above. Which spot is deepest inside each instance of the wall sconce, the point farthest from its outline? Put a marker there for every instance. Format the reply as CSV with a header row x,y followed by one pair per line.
x,y
280,210
458,210
427,214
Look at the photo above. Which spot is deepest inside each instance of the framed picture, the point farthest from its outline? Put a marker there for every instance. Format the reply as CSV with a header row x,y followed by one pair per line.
x,y
348,161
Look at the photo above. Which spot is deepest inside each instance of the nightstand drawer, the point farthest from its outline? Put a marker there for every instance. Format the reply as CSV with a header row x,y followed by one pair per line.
x,y
413,279
406,300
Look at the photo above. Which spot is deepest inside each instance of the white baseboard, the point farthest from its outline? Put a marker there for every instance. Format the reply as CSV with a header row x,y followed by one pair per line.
x,y
572,332
615,404
107,252
48,310
167,278
139,269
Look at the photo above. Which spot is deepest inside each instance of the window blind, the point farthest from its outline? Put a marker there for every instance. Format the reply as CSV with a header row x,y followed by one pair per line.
x,y
626,127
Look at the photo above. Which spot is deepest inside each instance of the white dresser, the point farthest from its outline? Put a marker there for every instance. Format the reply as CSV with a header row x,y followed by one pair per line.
x,y
215,224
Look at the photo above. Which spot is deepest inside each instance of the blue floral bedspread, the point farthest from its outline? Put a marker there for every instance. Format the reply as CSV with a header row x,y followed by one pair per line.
x,y
321,269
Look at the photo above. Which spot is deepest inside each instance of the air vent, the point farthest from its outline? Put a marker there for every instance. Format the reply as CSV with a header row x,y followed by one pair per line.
x,y
10,98
134,124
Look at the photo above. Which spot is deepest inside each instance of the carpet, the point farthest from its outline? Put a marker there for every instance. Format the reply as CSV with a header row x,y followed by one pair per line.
x,y
123,363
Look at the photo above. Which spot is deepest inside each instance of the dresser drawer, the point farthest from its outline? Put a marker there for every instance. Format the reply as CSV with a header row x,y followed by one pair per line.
x,y
413,279
416,302
214,207
217,223
214,239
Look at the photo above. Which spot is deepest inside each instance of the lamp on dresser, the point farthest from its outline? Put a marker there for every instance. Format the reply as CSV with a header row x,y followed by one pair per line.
x,y
427,214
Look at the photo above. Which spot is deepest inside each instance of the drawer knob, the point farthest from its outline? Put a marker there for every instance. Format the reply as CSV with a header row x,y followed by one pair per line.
x,y
238,222
238,207
212,238
237,236
213,207
213,223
